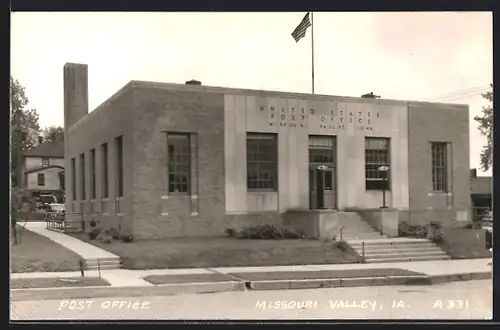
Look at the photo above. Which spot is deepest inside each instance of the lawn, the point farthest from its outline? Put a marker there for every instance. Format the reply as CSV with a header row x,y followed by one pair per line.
x,y
279,275
462,243
36,253
223,252
30,283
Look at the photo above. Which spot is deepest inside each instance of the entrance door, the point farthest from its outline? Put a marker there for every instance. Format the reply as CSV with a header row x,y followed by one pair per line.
x,y
321,188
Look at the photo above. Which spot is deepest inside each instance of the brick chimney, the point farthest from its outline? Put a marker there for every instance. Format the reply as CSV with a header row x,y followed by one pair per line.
x,y
473,173
193,82
76,102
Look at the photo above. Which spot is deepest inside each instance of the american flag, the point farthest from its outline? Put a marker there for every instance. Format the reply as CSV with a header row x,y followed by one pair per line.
x,y
300,30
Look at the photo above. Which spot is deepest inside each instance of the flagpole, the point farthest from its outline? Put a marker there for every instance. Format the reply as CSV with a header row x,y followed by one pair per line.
x,y
312,51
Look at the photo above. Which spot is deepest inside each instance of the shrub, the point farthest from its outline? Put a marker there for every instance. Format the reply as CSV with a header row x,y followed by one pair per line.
x,y
231,232
342,245
265,232
489,240
105,236
94,233
468,225
436,236
114,233
126,236
407,230
435,225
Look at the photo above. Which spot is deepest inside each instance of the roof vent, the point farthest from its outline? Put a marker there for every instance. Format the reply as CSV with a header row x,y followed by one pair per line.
x,y
370,96
193,82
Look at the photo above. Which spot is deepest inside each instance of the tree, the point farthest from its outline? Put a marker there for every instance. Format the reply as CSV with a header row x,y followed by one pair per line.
x,y
485,125
28,121
53,134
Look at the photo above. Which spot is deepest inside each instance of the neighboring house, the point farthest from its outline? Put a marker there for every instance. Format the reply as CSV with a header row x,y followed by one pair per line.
x,y
43,169
481,191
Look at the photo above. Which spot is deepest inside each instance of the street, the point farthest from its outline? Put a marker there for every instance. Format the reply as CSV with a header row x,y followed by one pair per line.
x,y
455,300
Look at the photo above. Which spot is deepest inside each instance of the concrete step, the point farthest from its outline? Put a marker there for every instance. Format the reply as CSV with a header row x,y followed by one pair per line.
x,y
105,267
390,241
361,236
103,259
403,259
401,250
377,247
357,230
396,254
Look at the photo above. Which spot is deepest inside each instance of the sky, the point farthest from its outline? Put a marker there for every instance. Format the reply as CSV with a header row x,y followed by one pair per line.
x,y
433,56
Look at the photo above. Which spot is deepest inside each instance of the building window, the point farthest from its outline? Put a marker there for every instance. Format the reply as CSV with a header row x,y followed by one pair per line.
x,y
119,165
82,177
179,162
73,178
439,167
45,162
322,149
92,174
104,171
262,161
41,179
377,155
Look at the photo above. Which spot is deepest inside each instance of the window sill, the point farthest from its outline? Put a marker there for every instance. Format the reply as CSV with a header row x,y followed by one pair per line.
x,y
439,193
258,191
120,198
105,199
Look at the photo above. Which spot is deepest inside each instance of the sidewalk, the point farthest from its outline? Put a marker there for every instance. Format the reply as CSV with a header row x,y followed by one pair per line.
x,y
85,250
127,278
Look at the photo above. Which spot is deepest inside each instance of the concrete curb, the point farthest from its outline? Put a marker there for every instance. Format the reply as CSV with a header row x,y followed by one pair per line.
x,y
211,287
100,292
366,281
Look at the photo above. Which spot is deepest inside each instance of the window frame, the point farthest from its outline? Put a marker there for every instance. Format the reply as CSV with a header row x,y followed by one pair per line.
x,y
119,166
40,183
45,161
93,190
104,171
439,166
258,164
73,178
83,188
374,159
179,157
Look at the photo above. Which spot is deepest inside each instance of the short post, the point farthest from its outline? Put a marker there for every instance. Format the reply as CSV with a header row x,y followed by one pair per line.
x,y
82,267
385,171
99,267
363,250
341,238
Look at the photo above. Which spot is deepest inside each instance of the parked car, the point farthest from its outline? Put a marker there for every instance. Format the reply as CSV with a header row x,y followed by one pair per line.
x,y
54,212
488,217
48,199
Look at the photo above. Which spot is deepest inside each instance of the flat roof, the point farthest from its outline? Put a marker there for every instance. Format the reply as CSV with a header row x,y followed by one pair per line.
x,y
255,92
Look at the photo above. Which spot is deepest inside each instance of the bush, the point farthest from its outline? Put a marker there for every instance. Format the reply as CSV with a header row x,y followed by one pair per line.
x,y
435,225
472,225
94,233
105,236
114,233
231,232
342,245
407,230
489,240
126,237
265,232
436,236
